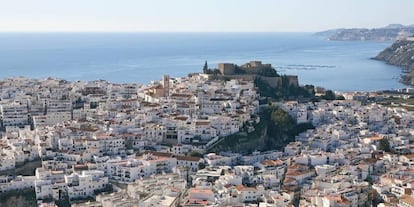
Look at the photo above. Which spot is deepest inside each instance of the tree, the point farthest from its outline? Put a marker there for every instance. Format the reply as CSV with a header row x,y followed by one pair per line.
x,y
201,165
205,68
329,95
282,120
195,154
384,144
340,97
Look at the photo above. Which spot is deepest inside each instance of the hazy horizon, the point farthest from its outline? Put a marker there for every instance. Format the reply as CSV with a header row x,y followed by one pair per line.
x,y
200,16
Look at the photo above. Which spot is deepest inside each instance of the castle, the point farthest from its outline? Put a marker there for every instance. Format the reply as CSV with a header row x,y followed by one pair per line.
x,y
253,70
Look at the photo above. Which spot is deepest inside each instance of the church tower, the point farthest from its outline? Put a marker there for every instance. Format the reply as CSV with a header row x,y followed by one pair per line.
x,y
166,85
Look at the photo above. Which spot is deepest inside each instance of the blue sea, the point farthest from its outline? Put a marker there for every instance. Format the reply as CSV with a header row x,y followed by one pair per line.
x,y
142,57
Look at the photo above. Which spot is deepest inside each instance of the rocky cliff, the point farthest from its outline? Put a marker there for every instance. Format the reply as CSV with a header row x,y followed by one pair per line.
x,y
401,53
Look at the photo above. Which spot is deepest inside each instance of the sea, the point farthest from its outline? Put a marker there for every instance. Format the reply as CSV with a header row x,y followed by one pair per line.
x,y
143,57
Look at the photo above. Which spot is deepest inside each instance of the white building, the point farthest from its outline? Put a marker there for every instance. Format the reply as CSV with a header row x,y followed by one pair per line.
x,y
84,185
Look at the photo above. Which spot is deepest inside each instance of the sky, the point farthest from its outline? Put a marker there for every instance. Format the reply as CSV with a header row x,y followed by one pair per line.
x,y
200,15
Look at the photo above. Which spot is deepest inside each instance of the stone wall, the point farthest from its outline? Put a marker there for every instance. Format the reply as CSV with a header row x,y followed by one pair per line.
x,y
226,68
272,81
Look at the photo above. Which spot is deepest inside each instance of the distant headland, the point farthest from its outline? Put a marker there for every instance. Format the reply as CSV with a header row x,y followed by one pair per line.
x,y
387,33
401,54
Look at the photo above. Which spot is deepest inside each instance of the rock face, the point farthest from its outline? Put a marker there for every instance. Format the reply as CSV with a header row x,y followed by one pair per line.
x,y
401,53
390,32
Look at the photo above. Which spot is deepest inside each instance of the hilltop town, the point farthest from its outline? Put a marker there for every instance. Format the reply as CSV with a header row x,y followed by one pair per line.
x,y
105,144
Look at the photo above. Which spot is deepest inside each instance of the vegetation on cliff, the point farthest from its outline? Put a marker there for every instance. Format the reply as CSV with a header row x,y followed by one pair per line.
x,y
282,128
275,129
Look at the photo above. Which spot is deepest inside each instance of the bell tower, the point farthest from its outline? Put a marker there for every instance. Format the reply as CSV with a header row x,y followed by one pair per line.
x,y
166,85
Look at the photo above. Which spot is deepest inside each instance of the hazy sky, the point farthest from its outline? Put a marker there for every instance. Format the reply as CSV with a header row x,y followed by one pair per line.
x,y
201,15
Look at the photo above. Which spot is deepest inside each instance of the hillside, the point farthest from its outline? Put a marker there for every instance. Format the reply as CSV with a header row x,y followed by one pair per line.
x,y
275,129
401,53
390,32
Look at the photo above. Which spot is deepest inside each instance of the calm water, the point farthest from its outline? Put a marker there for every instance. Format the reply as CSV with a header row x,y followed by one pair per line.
x,y
142,57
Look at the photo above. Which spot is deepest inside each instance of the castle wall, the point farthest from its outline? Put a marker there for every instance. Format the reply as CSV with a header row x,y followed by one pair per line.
x,y
226,68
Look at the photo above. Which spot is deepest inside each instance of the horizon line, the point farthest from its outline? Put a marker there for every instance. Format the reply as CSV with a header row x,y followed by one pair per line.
x,y
190,31
126,31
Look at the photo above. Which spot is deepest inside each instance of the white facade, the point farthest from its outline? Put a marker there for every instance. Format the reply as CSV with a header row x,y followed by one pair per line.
x,y
18,183
85,184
